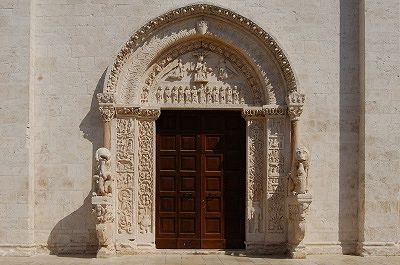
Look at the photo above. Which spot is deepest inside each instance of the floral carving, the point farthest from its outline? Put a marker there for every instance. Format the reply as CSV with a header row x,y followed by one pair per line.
x,y
276,210
125,173
104,213
255,174
105,98
276,187
146,174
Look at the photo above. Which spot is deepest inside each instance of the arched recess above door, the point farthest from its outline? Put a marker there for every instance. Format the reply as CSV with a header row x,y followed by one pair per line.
x,y
248,50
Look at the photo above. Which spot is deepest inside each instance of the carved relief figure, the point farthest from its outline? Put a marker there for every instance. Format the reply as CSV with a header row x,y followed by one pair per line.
x,y
174,96
229,95
103,181
159,95
167,95
299,175
178,72
188,95
256,218
222,95
202,27
201,70
224,71
194,95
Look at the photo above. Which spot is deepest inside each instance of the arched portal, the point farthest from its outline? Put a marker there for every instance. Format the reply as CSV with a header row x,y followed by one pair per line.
x,y
200,57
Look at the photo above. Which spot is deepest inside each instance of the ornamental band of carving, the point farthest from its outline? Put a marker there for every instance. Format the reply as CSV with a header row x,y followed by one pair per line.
x,y
125,174
255,174
146,176
276,182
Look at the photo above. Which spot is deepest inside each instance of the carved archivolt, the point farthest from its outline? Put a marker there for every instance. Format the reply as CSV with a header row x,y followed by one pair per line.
x,y
199,10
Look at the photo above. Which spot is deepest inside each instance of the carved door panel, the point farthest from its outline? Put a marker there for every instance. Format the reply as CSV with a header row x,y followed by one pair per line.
x,y
200,180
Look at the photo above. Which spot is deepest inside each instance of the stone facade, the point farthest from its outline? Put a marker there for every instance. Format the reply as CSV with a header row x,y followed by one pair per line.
x,y
84,81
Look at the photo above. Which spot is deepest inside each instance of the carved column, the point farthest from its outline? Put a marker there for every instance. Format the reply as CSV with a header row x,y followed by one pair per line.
x,y
299,199
255,121
107,112
103,182
147,173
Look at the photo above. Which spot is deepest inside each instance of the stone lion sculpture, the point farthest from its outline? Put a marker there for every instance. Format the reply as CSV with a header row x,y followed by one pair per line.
x,y
103,181
299,174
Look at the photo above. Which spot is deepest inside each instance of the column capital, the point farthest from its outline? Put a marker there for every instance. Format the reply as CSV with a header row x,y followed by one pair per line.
x,y
107,112
295,102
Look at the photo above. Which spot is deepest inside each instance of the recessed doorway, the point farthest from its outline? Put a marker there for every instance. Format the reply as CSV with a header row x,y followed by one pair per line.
x,y
201,179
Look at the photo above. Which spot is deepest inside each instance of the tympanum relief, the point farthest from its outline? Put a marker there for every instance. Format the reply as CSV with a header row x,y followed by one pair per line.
x,y
200,77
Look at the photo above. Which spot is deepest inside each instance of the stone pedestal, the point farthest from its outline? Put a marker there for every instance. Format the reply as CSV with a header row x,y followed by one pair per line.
x,y
298,205
104,210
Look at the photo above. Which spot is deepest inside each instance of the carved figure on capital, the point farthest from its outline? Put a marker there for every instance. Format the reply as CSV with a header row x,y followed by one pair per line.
x,y
103,180
299,176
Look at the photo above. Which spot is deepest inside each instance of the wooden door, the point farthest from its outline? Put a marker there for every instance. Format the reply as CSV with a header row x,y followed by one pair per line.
x,y
200,180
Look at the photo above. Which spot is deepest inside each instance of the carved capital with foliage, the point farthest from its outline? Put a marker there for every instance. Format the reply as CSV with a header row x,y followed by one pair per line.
x,y
295,102
107,113
105,98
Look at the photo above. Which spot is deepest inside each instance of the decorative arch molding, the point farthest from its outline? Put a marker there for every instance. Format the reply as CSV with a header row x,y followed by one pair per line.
x,y
199,56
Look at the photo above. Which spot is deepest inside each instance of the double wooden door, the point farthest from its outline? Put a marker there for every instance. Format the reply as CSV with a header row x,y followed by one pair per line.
x,y
200,185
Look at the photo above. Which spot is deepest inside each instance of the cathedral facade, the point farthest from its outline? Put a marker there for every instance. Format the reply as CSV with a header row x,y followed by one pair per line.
x,y
265,127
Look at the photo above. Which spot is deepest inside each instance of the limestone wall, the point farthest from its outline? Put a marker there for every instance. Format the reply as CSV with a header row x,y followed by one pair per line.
x,y
15,127
379,132
73,41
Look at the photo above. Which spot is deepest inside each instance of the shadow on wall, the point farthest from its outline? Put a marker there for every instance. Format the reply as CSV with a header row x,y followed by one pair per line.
x,y
349,101
76,233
